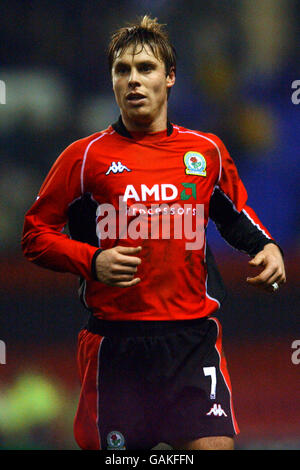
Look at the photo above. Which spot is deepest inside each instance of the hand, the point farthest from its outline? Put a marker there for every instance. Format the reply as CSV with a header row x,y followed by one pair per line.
x,y
271,260
117,266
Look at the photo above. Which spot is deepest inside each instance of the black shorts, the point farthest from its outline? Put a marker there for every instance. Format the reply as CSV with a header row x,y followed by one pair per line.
x,y
157,382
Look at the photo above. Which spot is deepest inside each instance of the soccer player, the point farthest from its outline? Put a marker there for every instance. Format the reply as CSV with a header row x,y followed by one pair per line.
x,y
134,196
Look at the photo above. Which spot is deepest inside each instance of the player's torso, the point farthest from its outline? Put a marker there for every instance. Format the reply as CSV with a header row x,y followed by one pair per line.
x,y
156,193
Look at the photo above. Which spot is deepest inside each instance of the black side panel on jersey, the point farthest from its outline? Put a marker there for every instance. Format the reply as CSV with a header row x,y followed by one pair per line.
x,y
215,285
82,227
82,220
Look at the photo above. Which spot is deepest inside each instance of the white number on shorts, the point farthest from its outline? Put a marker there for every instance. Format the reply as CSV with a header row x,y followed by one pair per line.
x,y
212,372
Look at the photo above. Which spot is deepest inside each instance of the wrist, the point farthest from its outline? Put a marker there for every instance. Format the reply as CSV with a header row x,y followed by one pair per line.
x,y
93,264
272,242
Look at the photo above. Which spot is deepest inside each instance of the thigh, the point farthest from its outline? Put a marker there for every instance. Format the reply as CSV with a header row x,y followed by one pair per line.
x,y
86,430
122,398
111,411
199,403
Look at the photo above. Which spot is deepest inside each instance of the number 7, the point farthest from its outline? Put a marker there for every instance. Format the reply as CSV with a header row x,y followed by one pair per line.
x,y
212,372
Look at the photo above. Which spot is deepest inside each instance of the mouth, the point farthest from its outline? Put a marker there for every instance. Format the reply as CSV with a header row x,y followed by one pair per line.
x,y
135,98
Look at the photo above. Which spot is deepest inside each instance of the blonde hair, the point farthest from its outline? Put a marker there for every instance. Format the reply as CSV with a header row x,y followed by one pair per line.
x,y
145,32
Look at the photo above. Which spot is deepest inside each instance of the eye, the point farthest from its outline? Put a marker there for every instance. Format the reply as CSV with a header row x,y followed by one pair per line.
x,y
146,67
121,69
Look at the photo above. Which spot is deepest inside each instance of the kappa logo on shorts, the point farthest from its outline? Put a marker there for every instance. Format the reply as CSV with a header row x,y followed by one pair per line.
x,y
117,168
216,410
115,441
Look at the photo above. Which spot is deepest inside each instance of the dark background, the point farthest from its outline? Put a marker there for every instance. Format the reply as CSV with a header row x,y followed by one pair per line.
x,y
236,64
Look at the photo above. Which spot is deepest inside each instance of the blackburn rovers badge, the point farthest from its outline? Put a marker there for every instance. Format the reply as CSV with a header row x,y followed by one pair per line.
x,y
115,441
195,163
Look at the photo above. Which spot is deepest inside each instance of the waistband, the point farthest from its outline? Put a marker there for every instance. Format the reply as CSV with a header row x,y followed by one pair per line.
x,y
139,328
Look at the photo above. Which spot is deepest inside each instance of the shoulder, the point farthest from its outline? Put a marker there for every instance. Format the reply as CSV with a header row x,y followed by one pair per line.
x,y
74,154
207,140
208,136
80,147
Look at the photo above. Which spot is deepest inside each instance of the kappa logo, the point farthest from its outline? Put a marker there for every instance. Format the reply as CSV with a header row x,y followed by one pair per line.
x,y
216,410
117,168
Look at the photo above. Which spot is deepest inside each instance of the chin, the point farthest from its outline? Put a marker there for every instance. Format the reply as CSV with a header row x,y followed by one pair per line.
x,y
139,115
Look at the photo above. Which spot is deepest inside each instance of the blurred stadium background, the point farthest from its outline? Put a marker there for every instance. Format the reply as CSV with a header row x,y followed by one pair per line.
x,y
236,63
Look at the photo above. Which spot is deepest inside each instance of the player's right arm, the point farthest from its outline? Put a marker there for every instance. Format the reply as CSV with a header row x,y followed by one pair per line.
x,y
45,244
43,240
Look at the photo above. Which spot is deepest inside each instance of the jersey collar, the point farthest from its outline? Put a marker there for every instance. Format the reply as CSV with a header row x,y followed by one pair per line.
x,y
119,127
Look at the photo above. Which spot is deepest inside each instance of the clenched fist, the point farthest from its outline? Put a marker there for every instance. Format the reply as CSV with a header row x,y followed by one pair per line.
x,y
117,266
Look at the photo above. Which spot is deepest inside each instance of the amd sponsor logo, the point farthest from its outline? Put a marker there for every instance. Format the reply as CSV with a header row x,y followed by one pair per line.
x,y
160,192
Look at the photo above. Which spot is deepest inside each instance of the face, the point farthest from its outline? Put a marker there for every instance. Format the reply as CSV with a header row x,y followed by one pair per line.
x,y
140,85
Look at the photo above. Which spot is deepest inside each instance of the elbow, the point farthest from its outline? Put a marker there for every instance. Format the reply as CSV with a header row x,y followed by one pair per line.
x,y
28,244
26,247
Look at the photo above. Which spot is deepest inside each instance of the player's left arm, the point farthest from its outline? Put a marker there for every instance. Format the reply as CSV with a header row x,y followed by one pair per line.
x,y
241,228
243,231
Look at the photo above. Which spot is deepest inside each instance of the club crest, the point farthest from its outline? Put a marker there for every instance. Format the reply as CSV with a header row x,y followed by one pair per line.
x,y
115,441
195,163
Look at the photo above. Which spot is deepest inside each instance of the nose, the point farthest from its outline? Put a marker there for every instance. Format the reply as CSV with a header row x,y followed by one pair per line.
x,y
133,80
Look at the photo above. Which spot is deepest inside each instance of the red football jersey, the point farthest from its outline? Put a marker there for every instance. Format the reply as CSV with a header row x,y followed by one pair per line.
x,y
152,190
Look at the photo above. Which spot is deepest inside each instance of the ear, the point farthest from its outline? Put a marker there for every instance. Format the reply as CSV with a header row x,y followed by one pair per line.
x,y
171,77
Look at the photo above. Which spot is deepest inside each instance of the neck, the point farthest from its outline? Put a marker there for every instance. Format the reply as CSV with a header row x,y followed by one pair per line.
x,y
147,126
